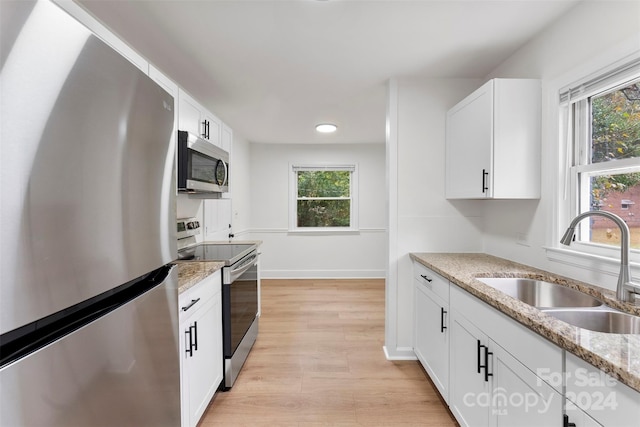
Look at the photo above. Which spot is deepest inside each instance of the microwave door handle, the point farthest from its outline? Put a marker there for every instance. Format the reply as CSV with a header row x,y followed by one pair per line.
x,y
226,173
222,181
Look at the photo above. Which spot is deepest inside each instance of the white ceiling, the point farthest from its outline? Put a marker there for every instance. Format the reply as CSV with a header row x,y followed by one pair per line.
x,y
272,69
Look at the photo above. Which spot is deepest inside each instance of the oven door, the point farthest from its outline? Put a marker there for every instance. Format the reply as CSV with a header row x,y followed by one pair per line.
x,y
239,301
202,167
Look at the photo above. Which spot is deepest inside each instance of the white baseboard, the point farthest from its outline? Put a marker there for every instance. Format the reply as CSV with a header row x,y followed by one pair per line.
x,y
322,274
399,353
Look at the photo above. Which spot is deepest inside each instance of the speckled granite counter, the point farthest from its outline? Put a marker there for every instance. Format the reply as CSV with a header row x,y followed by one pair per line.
x,y
191,272
616,354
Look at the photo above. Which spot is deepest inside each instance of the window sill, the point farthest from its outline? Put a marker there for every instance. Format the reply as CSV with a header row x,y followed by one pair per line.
x,y
592,262
324,231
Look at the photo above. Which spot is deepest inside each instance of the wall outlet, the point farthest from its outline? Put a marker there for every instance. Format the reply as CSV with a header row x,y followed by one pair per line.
x,y
522,239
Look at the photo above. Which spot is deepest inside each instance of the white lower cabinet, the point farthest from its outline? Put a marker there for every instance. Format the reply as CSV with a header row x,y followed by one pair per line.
x,y
432,327
595,398
470,394
576,417
489,385
519,397
490,370
200,347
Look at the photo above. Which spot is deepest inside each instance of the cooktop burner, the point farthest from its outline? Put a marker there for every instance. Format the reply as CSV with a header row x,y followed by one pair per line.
x,y
229,253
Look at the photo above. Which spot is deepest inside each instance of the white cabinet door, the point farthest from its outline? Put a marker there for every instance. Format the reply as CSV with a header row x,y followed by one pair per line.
x,y
600,396
217,219
226,138
189,116
200,347
199,357
469,396
213,128
469,146
578,417
518,396
493,142
432,336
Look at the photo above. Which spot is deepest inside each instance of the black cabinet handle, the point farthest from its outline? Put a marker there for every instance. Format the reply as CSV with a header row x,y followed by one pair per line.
x,y
566,422
205,129
193,302
479,352
442,313
485,174
190,346
426,278
487,353
195,333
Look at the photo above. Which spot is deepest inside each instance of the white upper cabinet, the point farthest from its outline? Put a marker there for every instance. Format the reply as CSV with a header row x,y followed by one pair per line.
x,y
189,114
493,142
226,138
194,118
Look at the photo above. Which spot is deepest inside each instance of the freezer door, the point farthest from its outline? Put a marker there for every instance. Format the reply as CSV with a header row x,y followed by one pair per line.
x,y
121,370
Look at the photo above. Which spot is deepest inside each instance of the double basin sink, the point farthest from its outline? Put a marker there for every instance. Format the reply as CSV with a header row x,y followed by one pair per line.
x,y
566,304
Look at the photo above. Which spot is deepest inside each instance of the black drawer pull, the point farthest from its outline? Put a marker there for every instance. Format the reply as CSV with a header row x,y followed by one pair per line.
x,y
426,278
191,304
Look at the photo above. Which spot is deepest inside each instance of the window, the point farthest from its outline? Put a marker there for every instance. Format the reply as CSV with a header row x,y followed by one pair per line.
x,y
323,198
604,170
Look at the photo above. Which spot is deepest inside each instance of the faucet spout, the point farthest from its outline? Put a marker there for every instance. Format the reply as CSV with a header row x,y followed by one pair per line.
x,y
625,289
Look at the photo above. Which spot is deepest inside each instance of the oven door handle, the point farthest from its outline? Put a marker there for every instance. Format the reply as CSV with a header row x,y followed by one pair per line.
x,y
234,274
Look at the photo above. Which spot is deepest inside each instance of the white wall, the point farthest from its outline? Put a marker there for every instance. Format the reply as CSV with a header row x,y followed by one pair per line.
x,y
240,187
588,38
421,219
296,255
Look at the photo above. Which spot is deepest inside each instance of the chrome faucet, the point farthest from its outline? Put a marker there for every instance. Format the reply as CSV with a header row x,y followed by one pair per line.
x,y
626,288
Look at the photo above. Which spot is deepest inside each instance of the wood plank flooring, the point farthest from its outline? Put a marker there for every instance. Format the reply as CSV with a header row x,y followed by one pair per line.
x,y
318,360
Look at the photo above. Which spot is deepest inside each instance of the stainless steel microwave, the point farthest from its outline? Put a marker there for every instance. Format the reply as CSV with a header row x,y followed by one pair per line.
x,y
202,167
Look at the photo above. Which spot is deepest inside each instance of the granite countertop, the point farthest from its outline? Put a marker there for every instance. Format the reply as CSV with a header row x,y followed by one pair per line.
x,y
191,272
616,354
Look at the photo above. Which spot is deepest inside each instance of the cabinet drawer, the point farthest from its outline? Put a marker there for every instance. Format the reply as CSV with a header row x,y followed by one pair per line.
x,y
194,297
430,281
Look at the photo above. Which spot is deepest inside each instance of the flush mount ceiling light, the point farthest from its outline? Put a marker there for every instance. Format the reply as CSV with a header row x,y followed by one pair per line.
x,y
326,127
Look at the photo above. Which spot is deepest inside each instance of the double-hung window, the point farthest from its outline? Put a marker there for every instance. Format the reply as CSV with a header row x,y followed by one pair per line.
x,y
323,198
603,153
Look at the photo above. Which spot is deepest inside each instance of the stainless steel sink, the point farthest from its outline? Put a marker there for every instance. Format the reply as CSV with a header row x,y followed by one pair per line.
x,y
541,294
609,321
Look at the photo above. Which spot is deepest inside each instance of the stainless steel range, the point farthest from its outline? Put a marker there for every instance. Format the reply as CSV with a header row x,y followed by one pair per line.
x,y
239,293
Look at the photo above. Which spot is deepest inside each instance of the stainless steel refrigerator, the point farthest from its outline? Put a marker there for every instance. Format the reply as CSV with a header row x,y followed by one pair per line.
x,y
88,297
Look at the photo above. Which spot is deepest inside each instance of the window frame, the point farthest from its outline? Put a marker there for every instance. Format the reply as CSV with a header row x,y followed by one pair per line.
x,y
294,168
578,169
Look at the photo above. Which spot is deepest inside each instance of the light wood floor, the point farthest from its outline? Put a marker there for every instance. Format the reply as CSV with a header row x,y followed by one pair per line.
x,y
318,360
